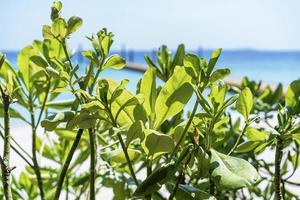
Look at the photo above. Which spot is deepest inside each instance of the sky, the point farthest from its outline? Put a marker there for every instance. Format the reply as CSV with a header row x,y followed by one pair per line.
x,y
141,24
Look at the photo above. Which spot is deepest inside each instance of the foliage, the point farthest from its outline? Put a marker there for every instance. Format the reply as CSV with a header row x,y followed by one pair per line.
x,y
212,151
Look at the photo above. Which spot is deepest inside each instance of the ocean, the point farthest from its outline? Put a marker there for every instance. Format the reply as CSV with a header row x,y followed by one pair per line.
x,y
269,66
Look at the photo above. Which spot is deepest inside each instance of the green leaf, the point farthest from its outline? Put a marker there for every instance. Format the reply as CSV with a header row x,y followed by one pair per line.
x,y
54,51
173,96
217,95
51,122
83,120
2,59
261,147
156,144
219,74
135,131
114,62
292,97
153,182
39,61
53,72
246,146
57,5
179,56
188,192
92,106
13,113
59,28
213,60
26,67
55,10
74,23
148,88
296,137
61,104
191,60
129,114
255,135
203,162
69,135
244,103
278,94
231,173
91,56
47,34
118,156
105,40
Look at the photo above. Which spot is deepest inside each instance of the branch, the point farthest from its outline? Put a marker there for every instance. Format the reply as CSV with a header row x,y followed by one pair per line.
x,y
6,150
67,164
277,175
92,163
33,148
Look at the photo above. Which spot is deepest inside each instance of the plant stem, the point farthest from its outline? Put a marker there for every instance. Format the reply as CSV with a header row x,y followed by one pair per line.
x,y
44,103
33,148
172,195
211,186
128,159
19,153
123,147
6,170
277,175
186,128
67,164
149,172
67,56
238,140
92,163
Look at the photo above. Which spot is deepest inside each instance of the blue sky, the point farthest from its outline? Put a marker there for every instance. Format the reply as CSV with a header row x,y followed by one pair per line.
x,y
140,24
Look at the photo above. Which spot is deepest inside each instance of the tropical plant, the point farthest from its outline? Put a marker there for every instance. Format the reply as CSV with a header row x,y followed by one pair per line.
x,y
186,136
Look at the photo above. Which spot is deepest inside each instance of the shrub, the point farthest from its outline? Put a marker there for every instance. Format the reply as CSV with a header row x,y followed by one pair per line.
x,y
210,152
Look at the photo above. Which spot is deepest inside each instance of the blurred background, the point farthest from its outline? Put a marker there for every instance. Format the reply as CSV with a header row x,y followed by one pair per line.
x,y
260,39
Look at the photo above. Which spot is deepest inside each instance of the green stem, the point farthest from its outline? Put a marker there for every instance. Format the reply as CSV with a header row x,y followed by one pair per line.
x,y
172,195
44,103
67,164
149,172
211,186
128,159
186,128
123,147
6,170
92,163
33,148
277,175
18,152
67,56
238,140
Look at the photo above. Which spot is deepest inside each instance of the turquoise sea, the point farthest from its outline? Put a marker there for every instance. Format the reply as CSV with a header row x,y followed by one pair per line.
x,y
269,66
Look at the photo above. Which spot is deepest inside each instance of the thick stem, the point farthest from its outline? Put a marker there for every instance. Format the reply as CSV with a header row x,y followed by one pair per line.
x,y
34,157
67,164
92,163
277,175
6,170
